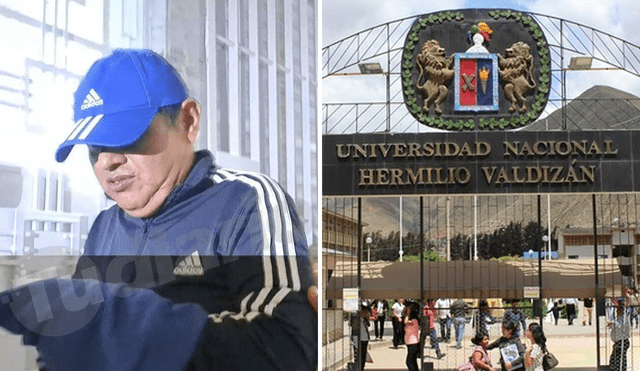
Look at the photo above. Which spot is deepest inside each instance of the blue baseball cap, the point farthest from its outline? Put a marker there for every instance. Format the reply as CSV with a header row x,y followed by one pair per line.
x,y
118,98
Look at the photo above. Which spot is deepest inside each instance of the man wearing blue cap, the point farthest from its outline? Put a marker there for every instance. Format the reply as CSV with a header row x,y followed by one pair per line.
x,y
215,261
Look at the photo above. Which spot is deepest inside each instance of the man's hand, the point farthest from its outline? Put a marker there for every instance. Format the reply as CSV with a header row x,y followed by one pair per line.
x,y
312,297
312,293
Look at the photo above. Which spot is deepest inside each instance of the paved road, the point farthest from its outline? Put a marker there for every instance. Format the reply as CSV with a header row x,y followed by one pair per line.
x,y
574,346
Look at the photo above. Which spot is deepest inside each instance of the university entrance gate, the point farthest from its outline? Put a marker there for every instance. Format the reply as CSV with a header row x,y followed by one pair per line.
x,y
563,203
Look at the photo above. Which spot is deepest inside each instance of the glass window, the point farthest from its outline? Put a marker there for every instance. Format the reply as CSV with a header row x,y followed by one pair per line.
x,y
53,192
281,81
244,71
222,12
263,29
47,46
42,190
243,23
280,31
245,104
298,142
263,84
263,93
222,104
311,43
282,127
31,9
86,20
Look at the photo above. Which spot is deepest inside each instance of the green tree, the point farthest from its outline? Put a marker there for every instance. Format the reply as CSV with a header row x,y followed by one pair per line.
x,y
508,240
387,247
428,256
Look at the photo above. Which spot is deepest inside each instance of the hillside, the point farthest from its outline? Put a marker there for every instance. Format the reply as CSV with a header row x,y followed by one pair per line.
x,y
600,107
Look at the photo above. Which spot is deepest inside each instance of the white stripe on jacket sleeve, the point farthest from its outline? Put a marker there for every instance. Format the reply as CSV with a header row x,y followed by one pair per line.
x,y
273,207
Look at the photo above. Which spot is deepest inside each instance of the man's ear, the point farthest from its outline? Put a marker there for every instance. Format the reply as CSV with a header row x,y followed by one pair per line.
x,y
190,119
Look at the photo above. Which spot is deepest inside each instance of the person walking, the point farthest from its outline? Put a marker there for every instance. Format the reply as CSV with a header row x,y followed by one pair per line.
x,y
517,316
397,322
556,311
412,336
382,307
360,335
534,354
483,318
588,310
549,316
459,312
620,333
444,317
511,348
429,312
570,304
632,306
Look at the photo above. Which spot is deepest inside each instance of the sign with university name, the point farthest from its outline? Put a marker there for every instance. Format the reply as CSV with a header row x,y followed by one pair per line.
x,y
481,162
475,69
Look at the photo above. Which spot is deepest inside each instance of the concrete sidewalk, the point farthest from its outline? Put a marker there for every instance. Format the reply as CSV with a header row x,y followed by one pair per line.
x,y
574,346
573,353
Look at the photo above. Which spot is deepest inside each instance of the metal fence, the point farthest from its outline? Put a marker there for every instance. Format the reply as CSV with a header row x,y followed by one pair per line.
x,y
576,227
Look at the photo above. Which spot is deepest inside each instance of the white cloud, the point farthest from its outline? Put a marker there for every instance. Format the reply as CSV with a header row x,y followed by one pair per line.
x,y
354,89
616,17
343,18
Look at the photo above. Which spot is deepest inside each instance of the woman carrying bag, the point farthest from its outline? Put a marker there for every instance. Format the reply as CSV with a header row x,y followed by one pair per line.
x,y
535,353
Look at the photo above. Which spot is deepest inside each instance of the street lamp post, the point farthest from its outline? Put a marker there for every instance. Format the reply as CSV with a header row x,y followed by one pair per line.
x,y
368,240
545,238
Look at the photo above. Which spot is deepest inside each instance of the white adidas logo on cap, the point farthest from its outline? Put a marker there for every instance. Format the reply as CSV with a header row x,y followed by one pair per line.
x,y
91,100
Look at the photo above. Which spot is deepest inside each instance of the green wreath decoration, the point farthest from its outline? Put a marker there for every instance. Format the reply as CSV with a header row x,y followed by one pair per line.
x,y
483,123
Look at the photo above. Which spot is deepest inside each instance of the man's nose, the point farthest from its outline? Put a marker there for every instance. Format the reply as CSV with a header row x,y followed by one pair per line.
x,y
111,160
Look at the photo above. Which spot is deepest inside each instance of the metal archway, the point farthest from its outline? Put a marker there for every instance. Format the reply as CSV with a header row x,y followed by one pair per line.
x,y
384,44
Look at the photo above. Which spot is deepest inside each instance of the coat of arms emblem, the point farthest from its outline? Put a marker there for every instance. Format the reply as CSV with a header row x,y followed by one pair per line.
x,y
494,77
476,73
476,82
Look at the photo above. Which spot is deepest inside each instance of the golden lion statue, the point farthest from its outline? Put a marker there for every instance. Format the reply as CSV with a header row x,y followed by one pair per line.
x,y
516,70
437,70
